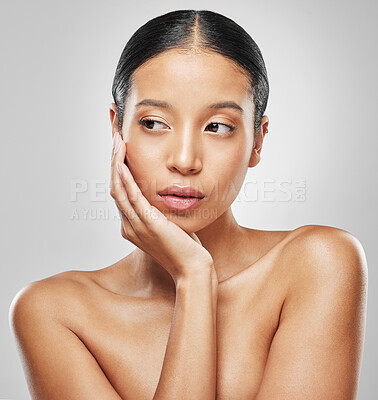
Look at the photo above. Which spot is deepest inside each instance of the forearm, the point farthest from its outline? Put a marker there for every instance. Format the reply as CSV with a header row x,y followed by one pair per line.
x,y
189,368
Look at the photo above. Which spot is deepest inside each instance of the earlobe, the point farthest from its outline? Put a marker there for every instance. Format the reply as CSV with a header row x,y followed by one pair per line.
x,y
256,151
255,158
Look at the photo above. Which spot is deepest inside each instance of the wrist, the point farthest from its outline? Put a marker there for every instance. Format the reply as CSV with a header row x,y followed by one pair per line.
x,y
202,276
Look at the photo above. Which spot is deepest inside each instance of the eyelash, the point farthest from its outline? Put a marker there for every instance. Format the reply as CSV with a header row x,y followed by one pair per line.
x,y
231,127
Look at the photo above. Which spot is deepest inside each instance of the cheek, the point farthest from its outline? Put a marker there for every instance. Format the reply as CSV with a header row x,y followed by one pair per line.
x,y
229,176
141,166
140,149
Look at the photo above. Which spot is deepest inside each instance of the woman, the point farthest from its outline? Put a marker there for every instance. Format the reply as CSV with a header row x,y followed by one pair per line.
x,y
203,308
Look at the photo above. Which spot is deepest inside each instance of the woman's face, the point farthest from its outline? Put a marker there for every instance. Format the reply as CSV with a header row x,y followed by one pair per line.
x,y
190,142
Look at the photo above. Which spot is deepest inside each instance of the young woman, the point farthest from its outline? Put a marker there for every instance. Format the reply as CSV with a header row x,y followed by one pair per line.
x,y
203,308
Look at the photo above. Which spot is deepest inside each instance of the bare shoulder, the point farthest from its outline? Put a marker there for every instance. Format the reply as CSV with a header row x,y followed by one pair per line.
x,y
323,315
49,297
322,320
44,317
320,245
324,256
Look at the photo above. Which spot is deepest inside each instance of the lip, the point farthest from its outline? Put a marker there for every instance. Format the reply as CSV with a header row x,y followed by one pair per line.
x,y
182,191
181,203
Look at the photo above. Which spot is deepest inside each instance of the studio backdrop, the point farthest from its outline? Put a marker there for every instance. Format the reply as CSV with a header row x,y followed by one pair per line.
x,y
318,162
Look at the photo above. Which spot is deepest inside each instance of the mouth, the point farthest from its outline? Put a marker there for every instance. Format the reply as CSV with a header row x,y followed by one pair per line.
x,y
180,202
181,198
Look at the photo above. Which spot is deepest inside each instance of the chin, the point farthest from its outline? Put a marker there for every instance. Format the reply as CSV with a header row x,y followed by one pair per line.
x,y
191,221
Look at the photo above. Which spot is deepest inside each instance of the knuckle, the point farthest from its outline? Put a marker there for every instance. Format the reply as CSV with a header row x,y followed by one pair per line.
x,y
117,185
113,193
152,230
132,200
127,231
124,233
117,197
130,214
121,196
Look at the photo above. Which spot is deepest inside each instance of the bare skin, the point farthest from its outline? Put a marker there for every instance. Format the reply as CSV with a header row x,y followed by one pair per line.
x,y
228,312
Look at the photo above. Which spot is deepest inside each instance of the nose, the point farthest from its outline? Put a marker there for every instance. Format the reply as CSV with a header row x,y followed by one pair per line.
x,y
185,153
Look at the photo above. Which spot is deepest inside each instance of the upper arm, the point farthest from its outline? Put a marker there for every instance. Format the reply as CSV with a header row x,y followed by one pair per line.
x,y
56,362
316,352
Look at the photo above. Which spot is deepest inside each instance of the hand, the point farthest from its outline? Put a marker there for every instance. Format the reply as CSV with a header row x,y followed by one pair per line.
x,y
148,228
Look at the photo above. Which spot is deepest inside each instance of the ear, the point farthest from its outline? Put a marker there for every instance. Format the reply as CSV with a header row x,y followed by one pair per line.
x,y
113,118
257,146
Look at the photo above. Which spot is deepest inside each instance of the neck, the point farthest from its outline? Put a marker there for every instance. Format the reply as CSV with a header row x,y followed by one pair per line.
x,y
224,240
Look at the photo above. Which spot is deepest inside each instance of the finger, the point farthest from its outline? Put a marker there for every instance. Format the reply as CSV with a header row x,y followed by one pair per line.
x,y
116,182
135,196
127,229
118,190
141,205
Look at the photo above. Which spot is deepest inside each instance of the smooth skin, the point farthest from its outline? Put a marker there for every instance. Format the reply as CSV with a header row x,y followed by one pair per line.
x,y
203,308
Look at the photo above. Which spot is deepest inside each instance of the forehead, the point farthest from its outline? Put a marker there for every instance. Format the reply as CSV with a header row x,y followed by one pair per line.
x,y
189,78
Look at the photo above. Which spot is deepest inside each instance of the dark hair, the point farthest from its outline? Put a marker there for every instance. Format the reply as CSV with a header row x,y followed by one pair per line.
x,y
190,30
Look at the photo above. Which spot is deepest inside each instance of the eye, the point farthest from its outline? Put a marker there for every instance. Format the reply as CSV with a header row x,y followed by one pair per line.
x,y
214,125
149,123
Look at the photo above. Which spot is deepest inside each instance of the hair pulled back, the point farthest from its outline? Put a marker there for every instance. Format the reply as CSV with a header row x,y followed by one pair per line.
x,y
192,30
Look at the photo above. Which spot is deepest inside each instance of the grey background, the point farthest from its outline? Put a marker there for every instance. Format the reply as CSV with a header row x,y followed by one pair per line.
x,y
57,64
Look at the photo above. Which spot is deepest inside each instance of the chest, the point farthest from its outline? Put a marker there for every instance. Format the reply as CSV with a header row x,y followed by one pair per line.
x,y
129,341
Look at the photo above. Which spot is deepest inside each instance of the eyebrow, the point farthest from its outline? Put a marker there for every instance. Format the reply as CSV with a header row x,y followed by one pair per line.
x,y
164,104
